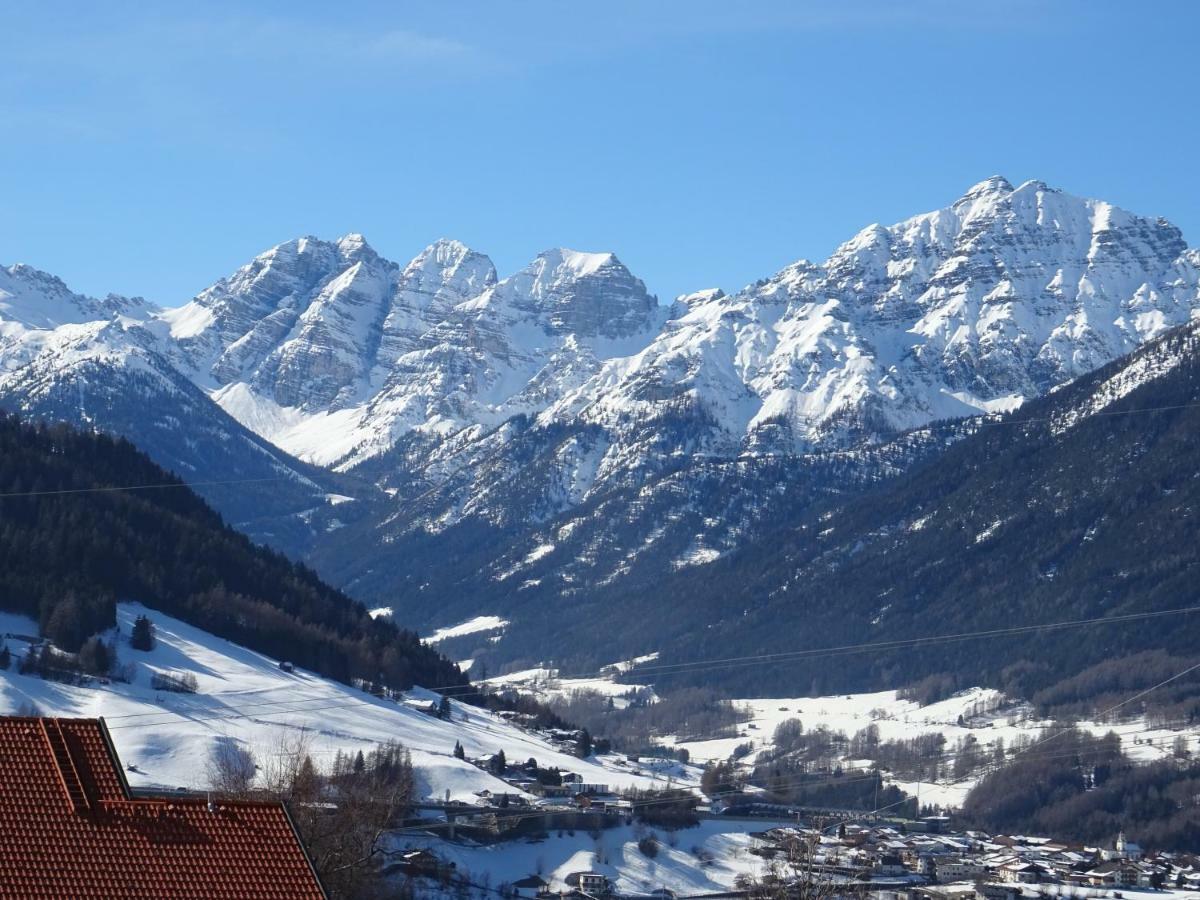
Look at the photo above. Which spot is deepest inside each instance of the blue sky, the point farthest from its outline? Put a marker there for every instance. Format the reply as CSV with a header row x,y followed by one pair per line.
x,y
151,148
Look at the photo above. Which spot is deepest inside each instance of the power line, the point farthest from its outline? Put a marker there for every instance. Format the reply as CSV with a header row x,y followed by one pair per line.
x,y
945,756
294,706
1100,412
1110,710
168,485
233,716
809,781
1104,713
866,647
980,420
761,659
805,781
311,698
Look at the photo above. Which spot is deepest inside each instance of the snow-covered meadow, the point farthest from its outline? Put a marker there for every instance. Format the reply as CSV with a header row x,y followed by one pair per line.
x,y
704,859
166,739
982,713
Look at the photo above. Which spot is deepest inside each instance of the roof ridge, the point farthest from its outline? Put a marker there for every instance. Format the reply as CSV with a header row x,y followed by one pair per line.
x,y
64,763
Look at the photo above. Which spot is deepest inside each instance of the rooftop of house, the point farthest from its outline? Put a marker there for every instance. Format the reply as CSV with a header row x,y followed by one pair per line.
x,y
70,828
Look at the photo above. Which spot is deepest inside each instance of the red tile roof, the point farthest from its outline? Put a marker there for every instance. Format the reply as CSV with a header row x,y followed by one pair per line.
x,y
69,828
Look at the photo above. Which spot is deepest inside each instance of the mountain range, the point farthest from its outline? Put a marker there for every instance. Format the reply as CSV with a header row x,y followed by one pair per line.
x,y
444,442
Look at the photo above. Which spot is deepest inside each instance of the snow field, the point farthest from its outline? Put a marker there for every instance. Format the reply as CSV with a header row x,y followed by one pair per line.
x,y
165,739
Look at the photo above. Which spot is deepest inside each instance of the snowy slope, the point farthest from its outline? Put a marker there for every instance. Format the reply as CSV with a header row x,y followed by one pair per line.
x,y
707,859
986,715
166,739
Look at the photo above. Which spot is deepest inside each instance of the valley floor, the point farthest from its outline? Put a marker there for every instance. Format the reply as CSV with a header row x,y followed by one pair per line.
x,y
984,714
704,859
248,700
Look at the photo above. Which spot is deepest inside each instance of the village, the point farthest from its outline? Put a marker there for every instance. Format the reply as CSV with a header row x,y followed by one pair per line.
x,y
852,857
788,851
511,803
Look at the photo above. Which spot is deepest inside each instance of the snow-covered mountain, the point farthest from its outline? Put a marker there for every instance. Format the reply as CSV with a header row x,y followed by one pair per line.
x,y
677,452
332,352
561,417
99,364
973,308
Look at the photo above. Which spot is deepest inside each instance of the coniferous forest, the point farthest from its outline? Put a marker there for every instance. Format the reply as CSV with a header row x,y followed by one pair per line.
x,y
1024,522
1081,787
73,545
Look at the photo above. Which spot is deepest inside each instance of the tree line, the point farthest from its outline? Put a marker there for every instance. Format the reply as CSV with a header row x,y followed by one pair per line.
x,y
72,547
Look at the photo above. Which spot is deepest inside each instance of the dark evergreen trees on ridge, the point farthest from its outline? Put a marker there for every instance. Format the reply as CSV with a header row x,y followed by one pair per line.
x,y
71,546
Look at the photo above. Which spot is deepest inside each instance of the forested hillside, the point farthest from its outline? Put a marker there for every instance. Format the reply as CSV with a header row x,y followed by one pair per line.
x,y
1081,787
73,544
1083,504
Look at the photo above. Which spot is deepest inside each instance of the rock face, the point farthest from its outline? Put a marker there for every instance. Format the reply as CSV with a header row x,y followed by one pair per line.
x,y
333,352
563,407
744,406
973,308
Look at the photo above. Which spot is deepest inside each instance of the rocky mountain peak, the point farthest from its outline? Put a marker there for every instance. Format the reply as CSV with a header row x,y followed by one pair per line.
x,y
31,298
995,186
979,305
354,248
587,294
453,266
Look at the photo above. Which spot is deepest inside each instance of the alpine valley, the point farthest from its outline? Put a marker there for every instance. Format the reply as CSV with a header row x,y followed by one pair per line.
x,y
559,449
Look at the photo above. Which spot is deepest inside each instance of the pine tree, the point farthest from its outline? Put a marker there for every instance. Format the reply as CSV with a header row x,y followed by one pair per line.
x,y
499,763
142,636
5,658
307,784
444,710
459,753
95,657
583,746
360,763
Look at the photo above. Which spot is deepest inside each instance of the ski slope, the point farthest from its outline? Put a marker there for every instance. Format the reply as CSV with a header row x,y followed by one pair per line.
x,y
166,739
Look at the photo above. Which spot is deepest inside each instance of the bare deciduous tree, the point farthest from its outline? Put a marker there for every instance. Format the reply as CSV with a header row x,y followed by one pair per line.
x,y
230,768
342,815
798,876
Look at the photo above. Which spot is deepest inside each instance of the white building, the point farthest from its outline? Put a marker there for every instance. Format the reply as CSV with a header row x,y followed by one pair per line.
x,y
951,869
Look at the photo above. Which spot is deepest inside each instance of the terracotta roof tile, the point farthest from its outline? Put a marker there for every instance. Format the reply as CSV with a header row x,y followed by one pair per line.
x,y
68,828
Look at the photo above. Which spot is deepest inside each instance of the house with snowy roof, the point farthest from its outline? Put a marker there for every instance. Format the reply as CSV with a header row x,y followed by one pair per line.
x,y
1113,872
